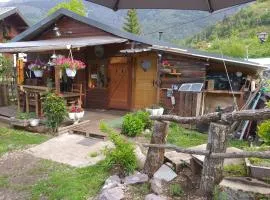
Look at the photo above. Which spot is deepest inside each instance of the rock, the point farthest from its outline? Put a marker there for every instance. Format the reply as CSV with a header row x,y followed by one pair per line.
x,y
178,159
111,182
136,178
140,157
115,193
154,197
156,186
243,188
165,173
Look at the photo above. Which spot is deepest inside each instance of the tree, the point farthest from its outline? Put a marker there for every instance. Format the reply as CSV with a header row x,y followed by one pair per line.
x,y
76,6
132,24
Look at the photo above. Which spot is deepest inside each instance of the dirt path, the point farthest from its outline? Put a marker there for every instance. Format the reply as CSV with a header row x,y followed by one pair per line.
x,y
18,172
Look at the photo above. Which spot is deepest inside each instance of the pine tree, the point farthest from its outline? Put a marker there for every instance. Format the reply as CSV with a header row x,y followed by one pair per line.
x,y
132,24
76,6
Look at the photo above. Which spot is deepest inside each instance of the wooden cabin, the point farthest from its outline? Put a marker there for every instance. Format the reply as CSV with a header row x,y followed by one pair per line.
x,y
12,23
124,71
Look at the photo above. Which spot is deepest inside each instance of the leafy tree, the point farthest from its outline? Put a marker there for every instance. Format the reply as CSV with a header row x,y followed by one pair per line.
x,y
76,6
132,24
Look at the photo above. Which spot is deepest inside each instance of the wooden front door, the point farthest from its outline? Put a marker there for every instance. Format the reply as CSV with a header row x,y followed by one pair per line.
x,y
119,86
145,90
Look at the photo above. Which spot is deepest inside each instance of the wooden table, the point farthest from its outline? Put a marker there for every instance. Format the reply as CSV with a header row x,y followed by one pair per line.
x,y
70,96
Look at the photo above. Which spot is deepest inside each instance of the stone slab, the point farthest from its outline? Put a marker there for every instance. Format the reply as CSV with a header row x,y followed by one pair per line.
x,y
165,173
71,149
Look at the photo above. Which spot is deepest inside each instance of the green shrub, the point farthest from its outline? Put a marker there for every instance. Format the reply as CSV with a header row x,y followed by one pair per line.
x,y
264,131
122,156
176,190
23,115
145,118
132,125
55,111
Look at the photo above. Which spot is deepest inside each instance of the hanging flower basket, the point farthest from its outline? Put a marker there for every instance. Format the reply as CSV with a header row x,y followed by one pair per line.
x,y
38,68
71,73
38,73
70,65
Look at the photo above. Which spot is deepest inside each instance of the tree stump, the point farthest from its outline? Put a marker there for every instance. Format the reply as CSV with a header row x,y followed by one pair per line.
x,y
155,156
213,167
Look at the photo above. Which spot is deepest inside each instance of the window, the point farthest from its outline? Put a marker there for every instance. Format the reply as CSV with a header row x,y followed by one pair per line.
x,y
98,75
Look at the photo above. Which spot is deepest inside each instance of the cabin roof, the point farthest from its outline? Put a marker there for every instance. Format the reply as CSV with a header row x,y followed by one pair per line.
x,y
153,45
8,11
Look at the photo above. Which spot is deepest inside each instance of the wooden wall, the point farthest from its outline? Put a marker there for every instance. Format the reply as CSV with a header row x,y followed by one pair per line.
x,y
70,28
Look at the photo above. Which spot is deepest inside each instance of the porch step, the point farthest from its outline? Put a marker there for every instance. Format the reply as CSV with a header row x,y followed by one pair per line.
x,y
89,130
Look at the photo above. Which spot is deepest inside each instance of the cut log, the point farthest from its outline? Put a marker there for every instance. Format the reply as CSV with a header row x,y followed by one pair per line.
x,y
212,167
155,156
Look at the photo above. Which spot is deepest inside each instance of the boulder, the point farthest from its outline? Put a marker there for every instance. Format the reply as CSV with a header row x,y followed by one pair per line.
x,y
156,186
243,188
140,157
165,173
115,193
111,182
154,197
136,178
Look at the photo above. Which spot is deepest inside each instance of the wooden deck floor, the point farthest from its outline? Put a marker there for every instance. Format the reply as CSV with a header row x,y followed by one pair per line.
x,y
8,111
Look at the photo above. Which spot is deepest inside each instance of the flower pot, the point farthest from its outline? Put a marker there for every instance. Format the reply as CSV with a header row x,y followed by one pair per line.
x,y
155,111
71,72
34,122
80,115
72,116
38,73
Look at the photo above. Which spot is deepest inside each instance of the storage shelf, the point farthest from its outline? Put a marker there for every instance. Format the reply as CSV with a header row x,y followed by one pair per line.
x,y
223,92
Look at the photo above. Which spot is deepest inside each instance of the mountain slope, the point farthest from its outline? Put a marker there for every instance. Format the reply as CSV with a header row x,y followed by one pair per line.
x,y
238,35
169,21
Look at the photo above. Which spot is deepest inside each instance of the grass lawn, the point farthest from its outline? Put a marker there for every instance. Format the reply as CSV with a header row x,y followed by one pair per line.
x,y
11,139
70,183
187,138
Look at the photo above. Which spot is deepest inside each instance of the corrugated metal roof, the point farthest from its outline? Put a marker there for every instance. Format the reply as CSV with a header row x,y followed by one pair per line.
x,y
207,55
57,44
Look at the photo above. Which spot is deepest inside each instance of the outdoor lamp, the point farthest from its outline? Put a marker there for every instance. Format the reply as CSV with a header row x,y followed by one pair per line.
x,y
57,31
262,36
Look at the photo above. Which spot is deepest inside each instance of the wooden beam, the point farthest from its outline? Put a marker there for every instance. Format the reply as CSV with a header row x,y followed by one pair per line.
x,y
57,79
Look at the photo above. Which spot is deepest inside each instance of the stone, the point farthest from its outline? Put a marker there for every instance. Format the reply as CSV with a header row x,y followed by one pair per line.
x,y
140,157
154,197
165,173
136,178
178,159
243,188
115,193
111,182
156,186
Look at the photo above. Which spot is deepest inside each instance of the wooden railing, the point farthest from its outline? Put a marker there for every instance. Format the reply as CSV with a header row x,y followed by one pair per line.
x,y
221,124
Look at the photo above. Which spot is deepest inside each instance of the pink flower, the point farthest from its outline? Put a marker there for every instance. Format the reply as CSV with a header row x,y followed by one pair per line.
x,y
69,63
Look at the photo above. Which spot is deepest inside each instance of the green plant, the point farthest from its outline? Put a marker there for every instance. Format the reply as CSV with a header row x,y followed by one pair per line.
x,y
132,24
122,156
176,190
75,6
23,116
235,170
264,131
132,125
6,68
93,154
55,111
145,118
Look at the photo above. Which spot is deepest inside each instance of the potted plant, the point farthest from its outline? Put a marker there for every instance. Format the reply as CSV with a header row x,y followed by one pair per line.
x,y
70,65
155,110
260,168
76,113
38,68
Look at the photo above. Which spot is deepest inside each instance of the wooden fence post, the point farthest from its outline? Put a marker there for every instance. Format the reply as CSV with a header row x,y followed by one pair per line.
x,y
212,167
155,156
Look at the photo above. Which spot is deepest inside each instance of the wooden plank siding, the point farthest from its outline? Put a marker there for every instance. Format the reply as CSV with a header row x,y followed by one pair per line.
x,y
70,28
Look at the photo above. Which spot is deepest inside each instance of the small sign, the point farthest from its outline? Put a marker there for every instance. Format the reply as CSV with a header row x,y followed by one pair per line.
x,y
94,76
169,93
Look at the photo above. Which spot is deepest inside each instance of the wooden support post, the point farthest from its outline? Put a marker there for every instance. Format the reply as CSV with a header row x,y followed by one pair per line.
x,y
155,156
212,167
36,102
57,79
27,102
19,100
